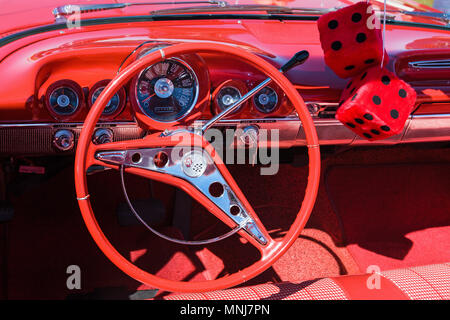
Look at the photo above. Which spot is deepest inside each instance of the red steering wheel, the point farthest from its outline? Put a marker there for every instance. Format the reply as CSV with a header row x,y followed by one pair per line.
x,y
138,157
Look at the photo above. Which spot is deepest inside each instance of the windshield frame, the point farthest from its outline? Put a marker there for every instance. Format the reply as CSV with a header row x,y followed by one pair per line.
x,y
9,38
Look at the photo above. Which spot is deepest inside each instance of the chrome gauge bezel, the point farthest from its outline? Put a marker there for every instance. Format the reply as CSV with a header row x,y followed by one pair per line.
x,y
191,107
236,84
262,110
121,94
223,88
104,113
75,106
69,85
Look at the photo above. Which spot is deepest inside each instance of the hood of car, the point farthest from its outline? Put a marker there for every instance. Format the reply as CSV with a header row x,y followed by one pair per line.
x,y
24,14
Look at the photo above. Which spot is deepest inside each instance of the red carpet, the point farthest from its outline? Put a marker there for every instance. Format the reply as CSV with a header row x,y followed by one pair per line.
x,y
427,246
46,236
313,255
393,215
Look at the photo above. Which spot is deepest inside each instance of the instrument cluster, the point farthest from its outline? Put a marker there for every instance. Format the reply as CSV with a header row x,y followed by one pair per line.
x,y
170,92
166,92
65,99
264,103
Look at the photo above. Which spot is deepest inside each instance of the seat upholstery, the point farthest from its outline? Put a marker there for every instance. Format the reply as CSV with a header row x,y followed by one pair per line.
x,y
417,283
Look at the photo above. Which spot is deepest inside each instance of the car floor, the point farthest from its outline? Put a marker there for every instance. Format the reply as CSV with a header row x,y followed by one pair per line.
x,y
383,206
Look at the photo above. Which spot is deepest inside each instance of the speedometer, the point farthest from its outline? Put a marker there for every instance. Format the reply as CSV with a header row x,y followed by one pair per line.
x,y
167,91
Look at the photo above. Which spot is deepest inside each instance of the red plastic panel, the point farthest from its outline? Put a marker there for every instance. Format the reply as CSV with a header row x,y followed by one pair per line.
x,y
433,108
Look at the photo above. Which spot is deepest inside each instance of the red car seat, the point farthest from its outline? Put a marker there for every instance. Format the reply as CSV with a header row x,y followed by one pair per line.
x,y
417,283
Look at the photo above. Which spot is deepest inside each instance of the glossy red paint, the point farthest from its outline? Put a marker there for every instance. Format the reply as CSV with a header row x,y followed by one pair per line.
x,y
85,157
433,108
19,15
418,75
94,53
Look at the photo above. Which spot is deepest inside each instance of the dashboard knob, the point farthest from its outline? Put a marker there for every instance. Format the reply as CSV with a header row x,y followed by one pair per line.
x,y
313,108
102,135
249,136
64,140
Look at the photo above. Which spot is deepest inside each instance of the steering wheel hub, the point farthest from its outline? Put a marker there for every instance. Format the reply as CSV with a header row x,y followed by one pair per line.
x,y
194,164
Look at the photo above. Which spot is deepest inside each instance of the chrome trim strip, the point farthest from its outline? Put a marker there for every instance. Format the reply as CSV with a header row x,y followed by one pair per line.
x,y
69,9
423,128
436,115
64,124
249,121
163,55
288,128
428,128
329,131
430,64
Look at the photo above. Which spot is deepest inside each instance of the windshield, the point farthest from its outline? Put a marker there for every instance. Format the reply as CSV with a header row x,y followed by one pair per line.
x,y
8,6
22,14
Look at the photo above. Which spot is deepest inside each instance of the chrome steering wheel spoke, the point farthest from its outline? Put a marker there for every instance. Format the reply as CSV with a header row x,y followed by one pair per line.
x,y
195,166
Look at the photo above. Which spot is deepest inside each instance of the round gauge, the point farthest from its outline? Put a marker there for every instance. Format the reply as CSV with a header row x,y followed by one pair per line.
x,y
64,98
266,100
115,105
227,96
167,91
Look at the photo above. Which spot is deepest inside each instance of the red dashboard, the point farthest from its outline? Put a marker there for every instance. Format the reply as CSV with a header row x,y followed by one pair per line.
x,y
83,75
37,69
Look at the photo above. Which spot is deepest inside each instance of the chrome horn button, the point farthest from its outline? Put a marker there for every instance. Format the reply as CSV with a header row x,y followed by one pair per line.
x,y
194,164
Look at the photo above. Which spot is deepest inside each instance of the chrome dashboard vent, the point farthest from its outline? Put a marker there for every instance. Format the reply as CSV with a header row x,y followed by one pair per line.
x,y
430,64
37,138
322,109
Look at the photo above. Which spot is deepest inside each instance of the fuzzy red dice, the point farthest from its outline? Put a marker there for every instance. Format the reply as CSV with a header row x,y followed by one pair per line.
x,y
376,104
351,39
